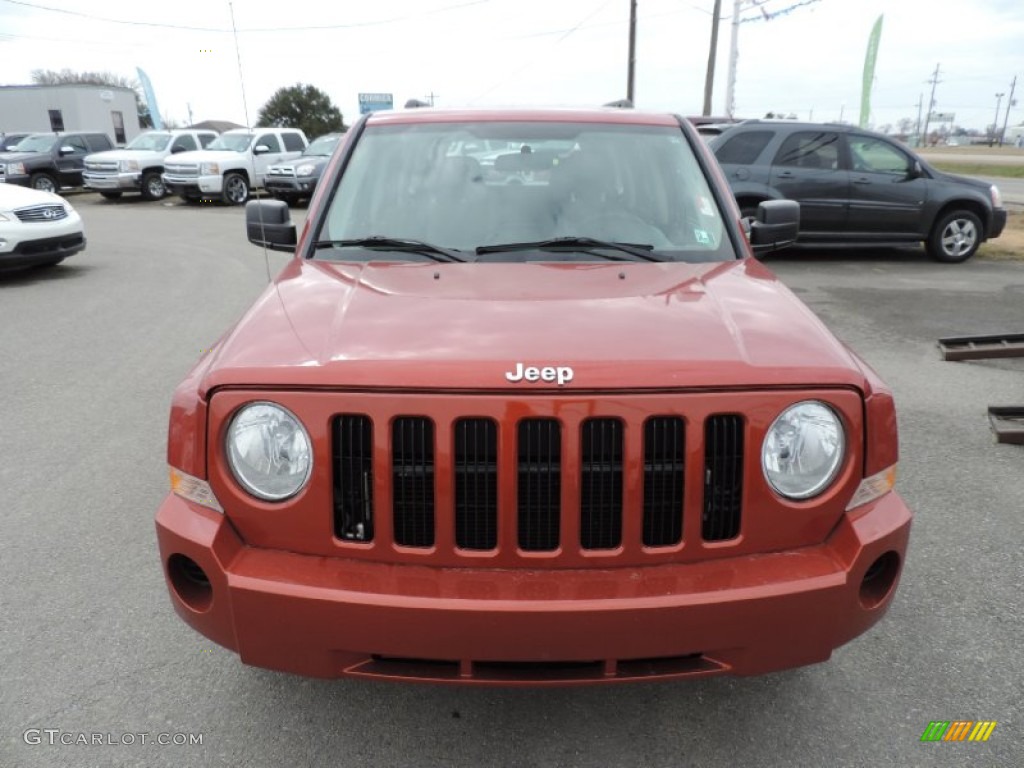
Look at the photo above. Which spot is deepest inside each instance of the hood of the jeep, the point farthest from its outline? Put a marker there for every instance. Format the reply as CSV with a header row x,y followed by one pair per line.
x,y
477,326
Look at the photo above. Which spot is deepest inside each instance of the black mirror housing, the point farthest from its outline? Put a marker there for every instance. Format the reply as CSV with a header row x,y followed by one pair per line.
x,y
776,225
268,223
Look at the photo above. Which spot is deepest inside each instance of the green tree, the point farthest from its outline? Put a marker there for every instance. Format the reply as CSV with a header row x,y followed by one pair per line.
x,y
302,106
65,76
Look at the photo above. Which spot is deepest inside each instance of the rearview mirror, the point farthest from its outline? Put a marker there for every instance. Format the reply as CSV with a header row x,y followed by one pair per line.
x,y
269,223
775,226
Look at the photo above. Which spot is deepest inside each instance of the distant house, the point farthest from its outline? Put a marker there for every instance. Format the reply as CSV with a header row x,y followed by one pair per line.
x,y
216,125
72,107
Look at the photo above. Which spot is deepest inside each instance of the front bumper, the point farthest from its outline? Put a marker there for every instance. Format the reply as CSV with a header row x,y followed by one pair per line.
x,y
997,224
332,617
38,243
302,186
193,186
107,182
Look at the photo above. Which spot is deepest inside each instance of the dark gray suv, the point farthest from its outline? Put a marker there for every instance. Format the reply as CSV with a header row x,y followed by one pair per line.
x,y
858,188
49,161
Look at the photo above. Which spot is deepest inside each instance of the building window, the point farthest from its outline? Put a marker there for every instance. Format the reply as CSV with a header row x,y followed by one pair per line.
x,y
56,120
118,127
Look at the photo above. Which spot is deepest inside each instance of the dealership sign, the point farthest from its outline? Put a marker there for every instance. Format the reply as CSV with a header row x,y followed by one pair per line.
x,y
373,102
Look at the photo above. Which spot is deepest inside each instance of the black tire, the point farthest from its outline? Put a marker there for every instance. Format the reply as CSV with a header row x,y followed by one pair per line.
x,y
955,237
153,186
111,195
236,189
44,182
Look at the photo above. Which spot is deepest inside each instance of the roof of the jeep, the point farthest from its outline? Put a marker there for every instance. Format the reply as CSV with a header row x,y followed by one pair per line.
x,y
551,114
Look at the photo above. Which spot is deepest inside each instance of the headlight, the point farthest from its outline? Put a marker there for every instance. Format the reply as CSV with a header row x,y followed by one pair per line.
x,y
15,169
269,451
129,165
997,199
209,169
4,218
803,450
304,170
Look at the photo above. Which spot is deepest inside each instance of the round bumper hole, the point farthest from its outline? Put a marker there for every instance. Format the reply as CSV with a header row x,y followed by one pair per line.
x,y
190,582
879,580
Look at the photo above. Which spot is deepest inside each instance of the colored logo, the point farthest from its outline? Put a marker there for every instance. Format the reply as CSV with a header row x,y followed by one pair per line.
x,y
958,730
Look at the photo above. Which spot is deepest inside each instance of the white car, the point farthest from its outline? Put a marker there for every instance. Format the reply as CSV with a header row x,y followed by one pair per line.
x,y
37,228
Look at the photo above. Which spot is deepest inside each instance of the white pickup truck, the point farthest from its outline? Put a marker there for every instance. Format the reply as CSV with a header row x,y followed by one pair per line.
x,y
233,164
139,166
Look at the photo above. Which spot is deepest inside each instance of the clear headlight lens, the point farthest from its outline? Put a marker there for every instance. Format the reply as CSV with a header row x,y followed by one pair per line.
x,y
997,199
304,170
209,169
4,218
803,450
16,169
269,451
129,165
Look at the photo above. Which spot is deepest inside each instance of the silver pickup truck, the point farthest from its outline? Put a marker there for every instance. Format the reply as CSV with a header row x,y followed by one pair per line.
x,y
139,166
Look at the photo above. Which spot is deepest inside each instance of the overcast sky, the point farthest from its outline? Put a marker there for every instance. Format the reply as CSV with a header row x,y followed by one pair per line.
x,y
807,59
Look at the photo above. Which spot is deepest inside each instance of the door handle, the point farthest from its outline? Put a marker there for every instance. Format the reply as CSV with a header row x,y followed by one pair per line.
x,y
862,180
786,175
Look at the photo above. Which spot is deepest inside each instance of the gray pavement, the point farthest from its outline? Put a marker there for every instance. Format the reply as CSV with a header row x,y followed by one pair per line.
x,y
91,352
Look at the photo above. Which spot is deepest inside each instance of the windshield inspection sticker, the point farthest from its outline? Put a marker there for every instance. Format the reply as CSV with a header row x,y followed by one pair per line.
x,y
702,236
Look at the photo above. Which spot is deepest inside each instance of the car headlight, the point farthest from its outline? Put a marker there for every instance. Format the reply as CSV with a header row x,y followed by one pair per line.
x,y
209,169
4,218
269,451
803,450
997,199
129,165
304,170
16,169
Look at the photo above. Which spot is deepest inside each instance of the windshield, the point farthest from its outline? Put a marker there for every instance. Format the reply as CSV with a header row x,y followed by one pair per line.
x,y
464,186
153,142
322,147
40,142
236,142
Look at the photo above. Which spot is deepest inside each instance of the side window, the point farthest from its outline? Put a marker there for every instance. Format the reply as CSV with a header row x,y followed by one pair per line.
x,y
78,142
206,138
269,140
118,120
56,120
810,150
292,142
743,148
184,143
98,142
873,156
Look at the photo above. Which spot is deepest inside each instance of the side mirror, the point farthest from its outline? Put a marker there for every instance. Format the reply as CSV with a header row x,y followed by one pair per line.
x,y
260,149
269,223
916,171
177,149
775,226
67,150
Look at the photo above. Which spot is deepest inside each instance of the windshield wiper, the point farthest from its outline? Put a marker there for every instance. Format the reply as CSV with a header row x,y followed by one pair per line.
x,y
587,244
402,244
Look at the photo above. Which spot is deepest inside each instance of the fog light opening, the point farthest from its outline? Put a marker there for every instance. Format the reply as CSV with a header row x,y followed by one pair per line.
x,y
879,579
190,582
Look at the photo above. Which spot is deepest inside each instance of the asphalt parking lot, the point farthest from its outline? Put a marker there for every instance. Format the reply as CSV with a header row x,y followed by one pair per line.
x,y
89,644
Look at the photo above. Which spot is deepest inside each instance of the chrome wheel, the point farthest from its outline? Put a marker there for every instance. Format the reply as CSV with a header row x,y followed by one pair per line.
x,y
44,183
959,237
153,187
955,237
236,189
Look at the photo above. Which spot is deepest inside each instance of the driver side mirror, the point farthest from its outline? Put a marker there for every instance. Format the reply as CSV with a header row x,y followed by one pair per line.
x,y
916,171
775,226
269,223
260,149
67,149
177,149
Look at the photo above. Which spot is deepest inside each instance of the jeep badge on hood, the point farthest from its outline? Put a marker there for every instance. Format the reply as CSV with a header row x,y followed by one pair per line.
x,y
562,374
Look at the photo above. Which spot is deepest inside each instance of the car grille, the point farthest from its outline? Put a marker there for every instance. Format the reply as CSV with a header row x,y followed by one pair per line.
x,y
101,167
171,169
281,170
43,213
548,457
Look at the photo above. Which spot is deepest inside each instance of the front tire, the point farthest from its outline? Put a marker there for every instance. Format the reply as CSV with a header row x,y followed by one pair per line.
x,y
955,237
44,182
236,189
153,186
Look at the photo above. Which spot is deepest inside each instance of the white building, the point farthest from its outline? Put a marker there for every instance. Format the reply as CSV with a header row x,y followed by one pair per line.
x,y
73,107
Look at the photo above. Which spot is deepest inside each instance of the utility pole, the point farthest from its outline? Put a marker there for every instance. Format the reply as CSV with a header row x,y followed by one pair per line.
x,y
1009,103
734,55
709,78
995,125
934,80
631,69
917,128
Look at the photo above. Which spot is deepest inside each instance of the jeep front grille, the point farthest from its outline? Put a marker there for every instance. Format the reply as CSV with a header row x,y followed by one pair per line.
x,y
545,459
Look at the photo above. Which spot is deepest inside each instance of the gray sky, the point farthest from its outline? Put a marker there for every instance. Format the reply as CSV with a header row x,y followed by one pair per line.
x,y
808,61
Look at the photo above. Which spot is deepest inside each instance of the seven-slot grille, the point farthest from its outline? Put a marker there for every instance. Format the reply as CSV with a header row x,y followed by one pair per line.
x,y
545,451
44,213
